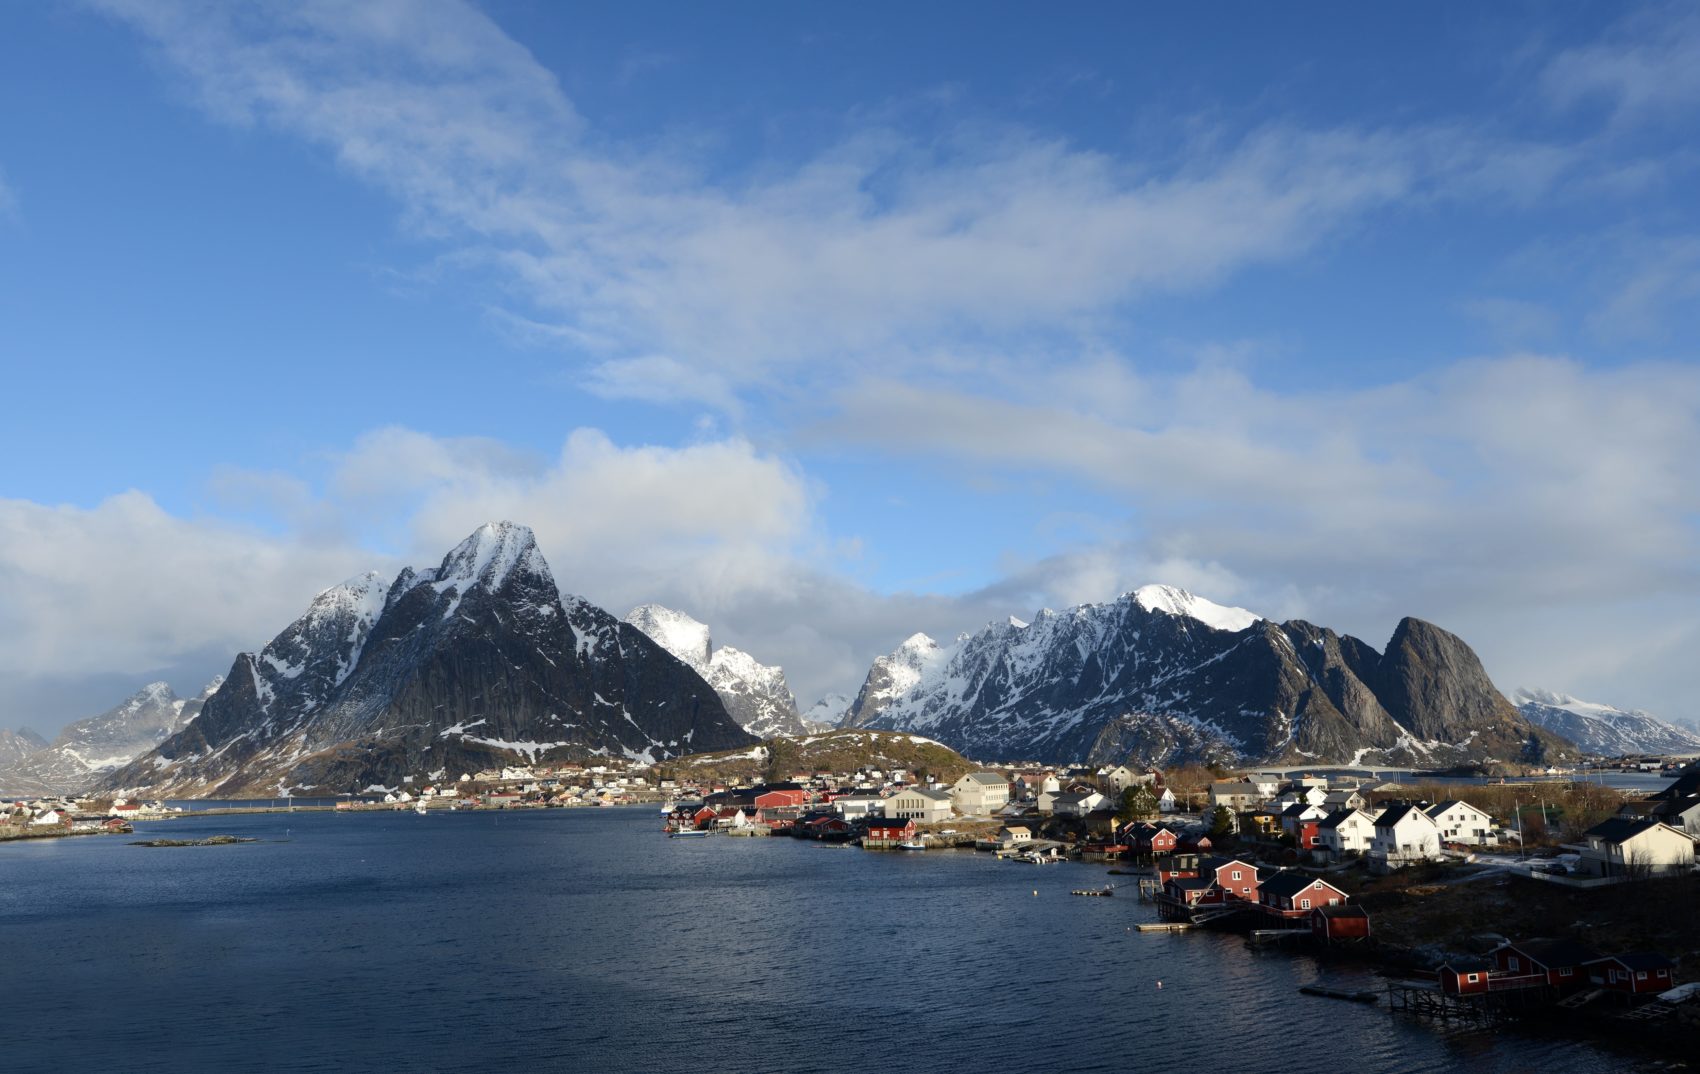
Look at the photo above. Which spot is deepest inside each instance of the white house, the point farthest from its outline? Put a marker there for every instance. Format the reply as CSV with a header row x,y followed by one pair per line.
x,y
1121,777
49,816
1345,798
980,793
1404,834
1346,831
1310,796
1620,847
1073,805
922,804
1014,835
1461,822
1166,801
857,806
1236,796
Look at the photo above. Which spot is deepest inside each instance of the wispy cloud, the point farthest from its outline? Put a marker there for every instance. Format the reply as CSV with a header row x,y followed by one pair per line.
x,y
1646,67
883,244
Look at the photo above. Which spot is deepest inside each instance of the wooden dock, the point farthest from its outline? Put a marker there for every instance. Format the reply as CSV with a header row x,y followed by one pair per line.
x,y
1487,1008
1167,926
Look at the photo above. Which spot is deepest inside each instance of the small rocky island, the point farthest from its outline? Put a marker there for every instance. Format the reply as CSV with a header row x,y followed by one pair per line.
x,y
209,841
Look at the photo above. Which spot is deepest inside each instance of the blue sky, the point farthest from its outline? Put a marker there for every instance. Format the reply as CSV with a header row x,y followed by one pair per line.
x,y
828,325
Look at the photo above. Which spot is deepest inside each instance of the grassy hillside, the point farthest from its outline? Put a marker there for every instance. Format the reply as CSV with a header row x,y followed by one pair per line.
x,y
842,750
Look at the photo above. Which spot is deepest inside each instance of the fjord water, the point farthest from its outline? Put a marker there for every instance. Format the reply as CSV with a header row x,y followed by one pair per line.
x,y
573,940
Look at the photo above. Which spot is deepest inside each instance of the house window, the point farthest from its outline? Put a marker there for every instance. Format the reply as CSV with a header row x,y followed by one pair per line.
x,y
1236,874
1304,904
1512,962
1473,977
1640,975
1564,973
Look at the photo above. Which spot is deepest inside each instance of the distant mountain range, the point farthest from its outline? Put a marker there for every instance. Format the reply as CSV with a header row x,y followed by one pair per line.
x,y
1161,676
481,661
90,748
1602,729
754,693
475,663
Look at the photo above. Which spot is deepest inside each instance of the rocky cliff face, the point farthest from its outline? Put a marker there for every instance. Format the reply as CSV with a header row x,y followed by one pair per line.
x,y
1604,729
1161,676
475,663
754,693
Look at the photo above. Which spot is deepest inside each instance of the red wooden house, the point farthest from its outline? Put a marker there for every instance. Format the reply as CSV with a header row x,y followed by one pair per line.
x,y
1637,973
779,797
1555,963
1466,976
1176,867
1295,895
882,834
1339,924
1235,879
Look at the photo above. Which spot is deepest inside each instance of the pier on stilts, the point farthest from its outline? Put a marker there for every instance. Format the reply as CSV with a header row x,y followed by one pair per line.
x,y
1486,1008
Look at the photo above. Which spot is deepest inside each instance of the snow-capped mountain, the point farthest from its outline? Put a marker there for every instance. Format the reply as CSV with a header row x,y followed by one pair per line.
x,y
826,713
1603,729
754,693
477,662
89,748
1160,676
17,745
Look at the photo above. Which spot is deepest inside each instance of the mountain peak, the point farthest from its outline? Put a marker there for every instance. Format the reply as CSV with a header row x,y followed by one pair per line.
x,y
1175,601
678,633
490,556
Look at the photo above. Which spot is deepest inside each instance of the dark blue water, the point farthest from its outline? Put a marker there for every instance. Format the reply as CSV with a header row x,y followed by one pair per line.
x,y
582,940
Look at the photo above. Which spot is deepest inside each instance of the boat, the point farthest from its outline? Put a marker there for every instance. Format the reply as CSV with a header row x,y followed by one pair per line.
x,y
689,833
668,807
419,807
913,844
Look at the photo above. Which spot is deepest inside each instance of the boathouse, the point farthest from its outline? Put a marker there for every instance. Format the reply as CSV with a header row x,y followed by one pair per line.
x,y
1339,924
882,834
1466,976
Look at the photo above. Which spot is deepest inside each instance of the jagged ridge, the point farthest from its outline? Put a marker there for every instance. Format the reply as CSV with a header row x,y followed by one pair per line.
x,y
1161,676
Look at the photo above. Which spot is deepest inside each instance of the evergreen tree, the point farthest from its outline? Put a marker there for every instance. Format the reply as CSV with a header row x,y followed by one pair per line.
x,y
1221,822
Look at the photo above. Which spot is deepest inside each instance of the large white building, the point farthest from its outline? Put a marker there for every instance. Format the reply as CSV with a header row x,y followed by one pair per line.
x,y
920,804
980,793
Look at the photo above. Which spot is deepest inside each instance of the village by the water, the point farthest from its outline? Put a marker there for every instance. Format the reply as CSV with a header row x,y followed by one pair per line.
x,y
1547,898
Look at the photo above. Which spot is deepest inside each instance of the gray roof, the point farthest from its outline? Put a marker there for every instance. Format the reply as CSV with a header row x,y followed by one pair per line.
x,y
990,779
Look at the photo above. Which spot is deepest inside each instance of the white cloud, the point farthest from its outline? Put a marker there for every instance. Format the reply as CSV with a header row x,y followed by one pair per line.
x,y
1646,66
876,247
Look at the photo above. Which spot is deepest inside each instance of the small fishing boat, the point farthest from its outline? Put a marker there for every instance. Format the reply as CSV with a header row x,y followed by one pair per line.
x,y
689,833
913,844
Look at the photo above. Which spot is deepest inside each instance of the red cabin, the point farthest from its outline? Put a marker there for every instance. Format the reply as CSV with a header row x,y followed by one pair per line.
x,y
1465,976
1637,973
883,834
1557,963
1295,895
1339,924
1235,878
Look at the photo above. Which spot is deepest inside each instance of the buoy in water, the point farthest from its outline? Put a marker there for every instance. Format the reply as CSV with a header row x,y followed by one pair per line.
x,y
1159,984
1035,891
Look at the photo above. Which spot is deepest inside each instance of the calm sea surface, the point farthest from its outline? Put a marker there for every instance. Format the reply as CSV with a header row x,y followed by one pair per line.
x,y
583,940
